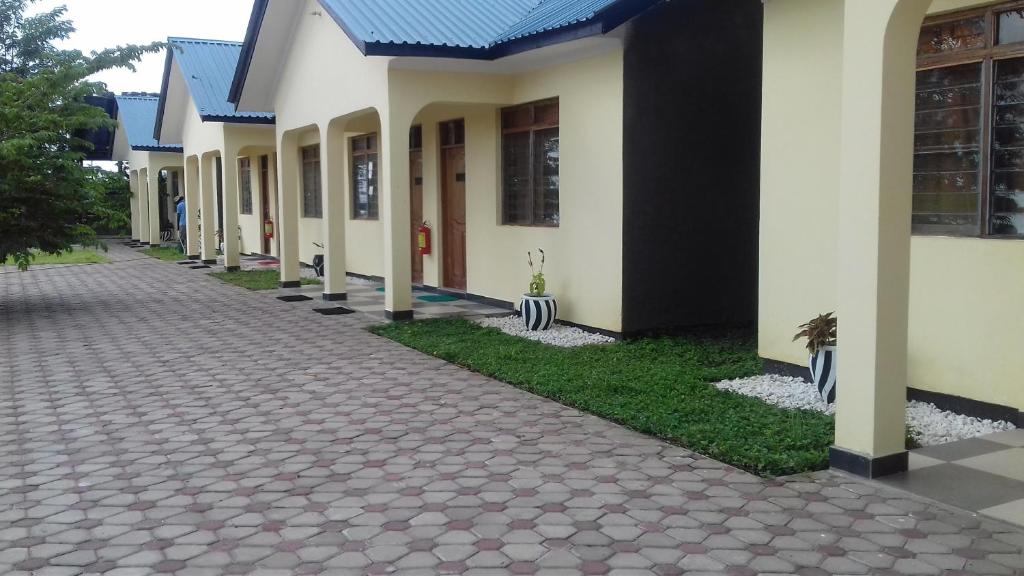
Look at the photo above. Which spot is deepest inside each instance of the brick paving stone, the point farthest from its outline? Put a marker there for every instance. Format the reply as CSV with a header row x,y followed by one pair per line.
x,y
157,421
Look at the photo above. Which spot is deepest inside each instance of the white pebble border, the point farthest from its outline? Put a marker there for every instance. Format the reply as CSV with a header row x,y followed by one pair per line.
x,y
557,335
930,425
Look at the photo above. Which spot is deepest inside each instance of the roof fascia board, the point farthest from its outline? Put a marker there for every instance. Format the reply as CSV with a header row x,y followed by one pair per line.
x,y
158,127
235,119
172,149
252,35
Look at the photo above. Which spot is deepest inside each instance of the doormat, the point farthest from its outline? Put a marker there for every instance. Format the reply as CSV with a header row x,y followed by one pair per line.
x,y
336,311
437,298
293,298
199,267
183,262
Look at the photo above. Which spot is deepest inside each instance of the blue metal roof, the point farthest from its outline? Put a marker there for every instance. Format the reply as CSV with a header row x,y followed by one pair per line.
x,y
472,24
137,113
476,29
553,14
455,23
208,67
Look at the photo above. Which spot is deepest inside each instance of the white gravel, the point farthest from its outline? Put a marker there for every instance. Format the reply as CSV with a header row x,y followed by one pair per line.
x,y
929,424
557,335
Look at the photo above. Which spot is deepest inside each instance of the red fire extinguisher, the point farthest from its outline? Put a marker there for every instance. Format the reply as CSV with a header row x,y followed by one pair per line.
x,y
268,228
423,238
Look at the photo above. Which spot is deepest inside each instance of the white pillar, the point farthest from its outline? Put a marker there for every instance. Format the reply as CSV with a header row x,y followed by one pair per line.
x,y
333,159
143,184
207,199
395,213
232,259
133,185
192,207
153,186
876,165
288,209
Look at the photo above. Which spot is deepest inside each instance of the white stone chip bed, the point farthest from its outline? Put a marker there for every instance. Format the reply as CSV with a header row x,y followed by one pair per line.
x,y
557,335
929,425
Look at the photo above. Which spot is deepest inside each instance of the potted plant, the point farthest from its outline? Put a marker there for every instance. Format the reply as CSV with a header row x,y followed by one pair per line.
x,y
820,334
537,307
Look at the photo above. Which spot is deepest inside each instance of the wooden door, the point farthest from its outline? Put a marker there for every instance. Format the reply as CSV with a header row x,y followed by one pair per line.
x,y
453,174
416,197
265,199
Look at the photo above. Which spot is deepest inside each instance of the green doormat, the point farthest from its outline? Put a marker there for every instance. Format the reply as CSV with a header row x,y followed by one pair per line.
x,y
437,298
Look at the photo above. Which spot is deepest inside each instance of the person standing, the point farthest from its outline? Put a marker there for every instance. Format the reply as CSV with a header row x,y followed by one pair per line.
x,y
182,223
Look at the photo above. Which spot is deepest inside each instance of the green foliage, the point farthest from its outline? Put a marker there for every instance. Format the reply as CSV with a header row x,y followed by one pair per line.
x,y
657,386
257,279
109,211
819,332
164,253
538,285
81,256
47,196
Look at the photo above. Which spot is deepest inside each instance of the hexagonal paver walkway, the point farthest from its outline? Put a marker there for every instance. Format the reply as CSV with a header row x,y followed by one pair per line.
x,y
156,421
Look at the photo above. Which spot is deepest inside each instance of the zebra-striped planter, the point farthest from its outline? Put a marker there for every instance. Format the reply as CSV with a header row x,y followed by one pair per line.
x,y
538,311
823,373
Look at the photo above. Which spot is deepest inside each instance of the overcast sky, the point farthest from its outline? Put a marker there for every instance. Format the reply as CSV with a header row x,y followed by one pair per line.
x,y
107,23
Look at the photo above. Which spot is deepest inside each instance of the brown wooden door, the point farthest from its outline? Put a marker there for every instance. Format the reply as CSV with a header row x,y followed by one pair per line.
x,y
416,196
453,174
265,199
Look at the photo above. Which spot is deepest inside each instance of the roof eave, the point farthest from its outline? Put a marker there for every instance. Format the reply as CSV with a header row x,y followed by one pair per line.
x,y
252,35
229,119
171,149
158,127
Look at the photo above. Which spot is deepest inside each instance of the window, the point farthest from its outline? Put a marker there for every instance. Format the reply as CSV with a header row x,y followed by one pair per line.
x,y
245,186
364,177
969,125
312,206
529,161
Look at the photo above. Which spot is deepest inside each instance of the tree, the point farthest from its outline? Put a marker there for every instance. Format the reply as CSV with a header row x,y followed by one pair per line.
x,y
46,194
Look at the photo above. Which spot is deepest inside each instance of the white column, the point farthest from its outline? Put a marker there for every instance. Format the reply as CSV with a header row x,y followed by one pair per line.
x,y
232,259
133,185
153,186
143,184
395,214
192,207
288,209
876,165
208,221
333,159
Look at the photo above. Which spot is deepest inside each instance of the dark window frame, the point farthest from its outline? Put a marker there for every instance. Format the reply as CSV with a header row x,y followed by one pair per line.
x,y
245,186
987,56
364,147
312,198
533,127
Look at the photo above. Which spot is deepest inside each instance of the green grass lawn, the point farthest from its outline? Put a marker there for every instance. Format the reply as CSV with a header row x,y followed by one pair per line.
x,y
79,256
257,279
164,253
660,387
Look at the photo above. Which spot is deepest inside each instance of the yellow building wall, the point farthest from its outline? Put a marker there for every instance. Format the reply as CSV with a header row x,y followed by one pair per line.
x,y
584,253
799,170
965,318
964,335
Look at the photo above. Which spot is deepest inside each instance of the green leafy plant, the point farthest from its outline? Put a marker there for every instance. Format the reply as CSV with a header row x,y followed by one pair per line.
x,y
538,284
819,332
49,201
